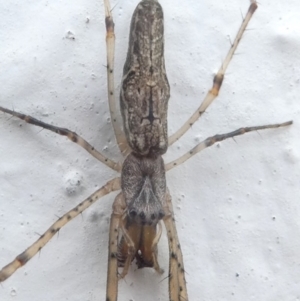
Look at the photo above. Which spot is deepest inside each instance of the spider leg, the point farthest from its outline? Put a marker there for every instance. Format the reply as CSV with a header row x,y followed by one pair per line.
x,y
177,283
112,269
212,140
65,132
110,49
130,245
218,78
156,266
25,256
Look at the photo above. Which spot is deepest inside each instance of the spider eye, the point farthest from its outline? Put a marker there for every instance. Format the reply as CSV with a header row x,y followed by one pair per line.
x,y
142,215
161,214
132,213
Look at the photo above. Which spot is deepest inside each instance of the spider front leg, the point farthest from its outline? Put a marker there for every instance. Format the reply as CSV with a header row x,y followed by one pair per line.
x,y
177,283
112,269
25,256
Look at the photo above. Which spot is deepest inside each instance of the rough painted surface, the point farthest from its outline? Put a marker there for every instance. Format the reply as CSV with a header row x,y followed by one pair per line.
x,y
236,204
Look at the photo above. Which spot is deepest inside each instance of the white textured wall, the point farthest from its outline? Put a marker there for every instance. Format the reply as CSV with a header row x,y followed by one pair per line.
x,y
237,204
